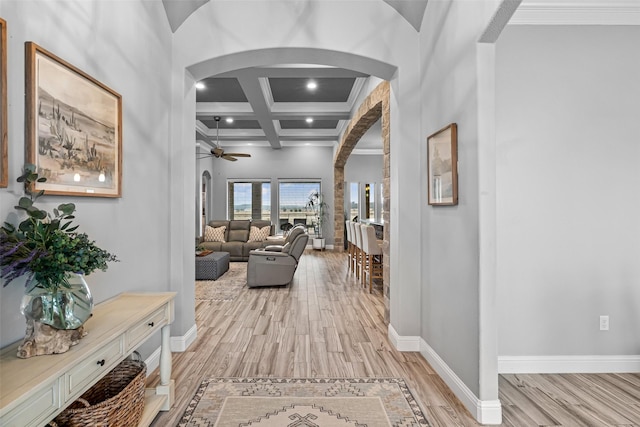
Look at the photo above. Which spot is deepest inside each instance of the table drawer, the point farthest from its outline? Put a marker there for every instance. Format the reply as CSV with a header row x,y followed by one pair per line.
x,y
92,368
147,327
38,410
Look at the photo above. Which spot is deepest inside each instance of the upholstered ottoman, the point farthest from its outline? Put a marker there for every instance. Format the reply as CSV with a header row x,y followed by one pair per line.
x,y
212,266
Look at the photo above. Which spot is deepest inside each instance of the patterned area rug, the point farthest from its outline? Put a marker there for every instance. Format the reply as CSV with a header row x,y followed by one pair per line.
x,y
227,287
315,402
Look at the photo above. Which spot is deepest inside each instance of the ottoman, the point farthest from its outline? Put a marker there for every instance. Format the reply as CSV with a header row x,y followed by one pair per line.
x,y
212,266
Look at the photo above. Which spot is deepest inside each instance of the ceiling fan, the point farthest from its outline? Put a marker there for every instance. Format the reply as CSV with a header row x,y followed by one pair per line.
x,y
218,152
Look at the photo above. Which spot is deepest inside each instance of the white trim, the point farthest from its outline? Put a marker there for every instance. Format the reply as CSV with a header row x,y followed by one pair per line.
x,y
567,364
485,412
402,343
153,361
619,12
180,344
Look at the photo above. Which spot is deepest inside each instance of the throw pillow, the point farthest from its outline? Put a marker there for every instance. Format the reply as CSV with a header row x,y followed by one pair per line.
x,y
259,234
216,234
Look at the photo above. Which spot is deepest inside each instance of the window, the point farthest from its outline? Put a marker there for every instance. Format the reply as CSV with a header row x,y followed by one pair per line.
x,y
249,200
292,200
354,192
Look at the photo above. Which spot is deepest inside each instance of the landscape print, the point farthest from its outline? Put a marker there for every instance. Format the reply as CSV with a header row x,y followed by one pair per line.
x,y
442,163
76,141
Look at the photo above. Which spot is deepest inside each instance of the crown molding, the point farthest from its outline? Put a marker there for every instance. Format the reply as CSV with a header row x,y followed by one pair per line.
x,y
617,12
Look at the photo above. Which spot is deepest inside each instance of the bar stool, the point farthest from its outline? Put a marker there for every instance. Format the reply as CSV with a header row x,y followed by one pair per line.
x,y
354,248
372,256
358,249
347,226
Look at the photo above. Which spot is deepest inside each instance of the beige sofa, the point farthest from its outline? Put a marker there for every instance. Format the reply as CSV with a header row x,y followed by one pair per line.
x,y
237,238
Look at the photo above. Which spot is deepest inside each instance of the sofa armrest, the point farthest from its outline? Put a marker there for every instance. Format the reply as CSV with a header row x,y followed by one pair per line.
x,y
273,248
263,253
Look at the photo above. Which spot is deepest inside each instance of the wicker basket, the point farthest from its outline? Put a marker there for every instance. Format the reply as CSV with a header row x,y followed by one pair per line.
x,y
117,400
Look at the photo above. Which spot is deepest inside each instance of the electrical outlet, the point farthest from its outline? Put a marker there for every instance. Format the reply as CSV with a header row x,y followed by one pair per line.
x,y
604,323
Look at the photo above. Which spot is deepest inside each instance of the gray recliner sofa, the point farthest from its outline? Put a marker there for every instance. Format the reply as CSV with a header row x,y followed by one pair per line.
x,y
236,238
276,265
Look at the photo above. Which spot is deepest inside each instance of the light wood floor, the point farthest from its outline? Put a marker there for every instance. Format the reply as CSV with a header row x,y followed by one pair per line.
x,y
325,325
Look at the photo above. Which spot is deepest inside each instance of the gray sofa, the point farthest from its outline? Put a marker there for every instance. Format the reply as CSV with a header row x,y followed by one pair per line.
x,y
275,265
236,238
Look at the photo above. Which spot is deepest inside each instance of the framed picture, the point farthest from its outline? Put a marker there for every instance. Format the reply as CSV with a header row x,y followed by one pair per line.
x,y
74,128
442,164
4,142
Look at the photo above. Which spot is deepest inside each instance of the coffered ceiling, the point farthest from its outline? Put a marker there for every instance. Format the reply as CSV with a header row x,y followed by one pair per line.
x,y
275,105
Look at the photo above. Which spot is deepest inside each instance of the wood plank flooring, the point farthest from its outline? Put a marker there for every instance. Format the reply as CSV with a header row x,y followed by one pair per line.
x,y
325,325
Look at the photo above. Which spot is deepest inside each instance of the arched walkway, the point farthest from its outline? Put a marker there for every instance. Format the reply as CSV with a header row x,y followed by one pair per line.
x,y
373,108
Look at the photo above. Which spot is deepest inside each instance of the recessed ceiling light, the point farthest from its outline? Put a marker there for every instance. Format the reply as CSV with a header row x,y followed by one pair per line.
x,y
307,143
311,85
229,119
249,143
200,86
309,120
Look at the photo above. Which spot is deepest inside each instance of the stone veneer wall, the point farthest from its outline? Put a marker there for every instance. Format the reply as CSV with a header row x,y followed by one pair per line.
x,y
374,107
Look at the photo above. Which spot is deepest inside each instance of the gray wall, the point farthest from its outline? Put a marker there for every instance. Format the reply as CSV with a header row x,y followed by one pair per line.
x,y
568,167
450,299
364,168
266,163
125,45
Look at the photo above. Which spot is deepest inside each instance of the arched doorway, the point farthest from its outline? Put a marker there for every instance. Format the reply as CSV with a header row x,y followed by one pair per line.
x,y
375,107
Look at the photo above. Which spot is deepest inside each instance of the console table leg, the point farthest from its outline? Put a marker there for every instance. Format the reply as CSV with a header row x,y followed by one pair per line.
x,y
166,385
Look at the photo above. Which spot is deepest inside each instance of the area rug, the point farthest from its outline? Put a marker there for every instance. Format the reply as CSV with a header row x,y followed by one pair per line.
x,y
227,287
307,402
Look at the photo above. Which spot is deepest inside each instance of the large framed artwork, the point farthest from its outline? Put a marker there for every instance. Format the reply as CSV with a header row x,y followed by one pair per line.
x,y
74,128
4,142
442,164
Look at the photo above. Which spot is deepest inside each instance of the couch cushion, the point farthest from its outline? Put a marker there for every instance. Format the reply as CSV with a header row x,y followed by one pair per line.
x,y
216,234
238,230
211,246
234,249
259,234
250,246
219,223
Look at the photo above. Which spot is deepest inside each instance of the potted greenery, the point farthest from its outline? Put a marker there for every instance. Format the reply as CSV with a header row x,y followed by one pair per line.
x,y
54,257
319,208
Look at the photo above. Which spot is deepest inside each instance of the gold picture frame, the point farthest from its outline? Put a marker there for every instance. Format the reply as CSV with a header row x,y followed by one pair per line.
x,y
4,139
73,128
442,166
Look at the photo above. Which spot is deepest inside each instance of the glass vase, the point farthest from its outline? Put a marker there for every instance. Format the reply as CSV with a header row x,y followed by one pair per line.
x,y
66,308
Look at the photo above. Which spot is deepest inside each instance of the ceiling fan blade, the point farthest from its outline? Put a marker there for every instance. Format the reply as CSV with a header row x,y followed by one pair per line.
x,y
228,157
238,154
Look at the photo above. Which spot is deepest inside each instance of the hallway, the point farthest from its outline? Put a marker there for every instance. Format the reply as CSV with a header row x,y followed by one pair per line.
x,y
325,325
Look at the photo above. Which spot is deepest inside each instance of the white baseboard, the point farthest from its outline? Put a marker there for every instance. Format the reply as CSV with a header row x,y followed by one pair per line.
x,y
403,343
153,361
567,364
180,344
485,411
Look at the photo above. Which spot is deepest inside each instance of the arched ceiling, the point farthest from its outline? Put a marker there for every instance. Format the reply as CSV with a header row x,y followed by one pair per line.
x,y
179,10
271,105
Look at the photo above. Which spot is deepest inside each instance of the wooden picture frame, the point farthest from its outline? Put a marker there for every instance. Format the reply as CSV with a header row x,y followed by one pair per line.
x,y
442,166
73,128
4,139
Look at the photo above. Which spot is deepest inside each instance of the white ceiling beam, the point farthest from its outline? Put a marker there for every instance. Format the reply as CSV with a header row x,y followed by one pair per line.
x,y
253,91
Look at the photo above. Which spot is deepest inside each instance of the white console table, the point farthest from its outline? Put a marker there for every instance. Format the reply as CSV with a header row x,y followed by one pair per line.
x,y
33,391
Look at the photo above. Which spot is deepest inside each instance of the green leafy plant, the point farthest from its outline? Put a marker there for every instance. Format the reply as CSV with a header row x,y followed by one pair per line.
x,y
45,246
